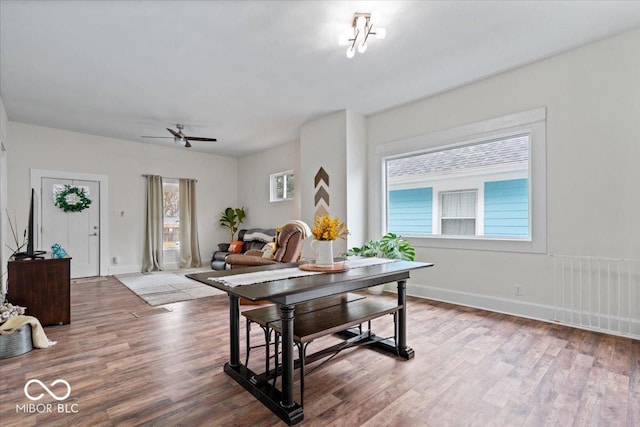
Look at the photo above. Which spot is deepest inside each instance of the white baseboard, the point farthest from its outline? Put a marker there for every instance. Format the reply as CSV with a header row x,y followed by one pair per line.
x,y
171,265
500,305
124,269
527,310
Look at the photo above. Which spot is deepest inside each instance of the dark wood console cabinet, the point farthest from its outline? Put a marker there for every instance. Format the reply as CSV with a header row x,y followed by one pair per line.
x,y
43,287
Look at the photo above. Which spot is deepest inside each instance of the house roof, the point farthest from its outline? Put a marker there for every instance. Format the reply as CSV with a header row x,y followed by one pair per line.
x,y
495,153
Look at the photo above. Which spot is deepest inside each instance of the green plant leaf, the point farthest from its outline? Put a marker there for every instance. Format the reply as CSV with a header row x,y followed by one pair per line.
x,y
389,246
231,218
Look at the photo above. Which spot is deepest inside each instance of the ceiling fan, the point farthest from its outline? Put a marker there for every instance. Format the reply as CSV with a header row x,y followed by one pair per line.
x,y
179,136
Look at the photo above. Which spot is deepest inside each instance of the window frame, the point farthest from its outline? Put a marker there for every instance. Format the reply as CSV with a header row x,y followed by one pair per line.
x,y
175,246
273,196
532,122
441,216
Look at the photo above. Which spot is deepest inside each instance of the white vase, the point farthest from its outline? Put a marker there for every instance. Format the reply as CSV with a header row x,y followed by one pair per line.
x,y
324,252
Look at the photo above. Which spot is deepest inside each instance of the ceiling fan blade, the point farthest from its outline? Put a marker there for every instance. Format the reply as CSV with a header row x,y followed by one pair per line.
x,y
174,133
178,136
197,138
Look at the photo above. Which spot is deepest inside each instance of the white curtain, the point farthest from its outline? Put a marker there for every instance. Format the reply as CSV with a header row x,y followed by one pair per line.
x,y
152,255
189,247
459,213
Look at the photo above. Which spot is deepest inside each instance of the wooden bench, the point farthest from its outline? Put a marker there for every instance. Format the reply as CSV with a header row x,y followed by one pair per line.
x,y
323,318
310,326
266,315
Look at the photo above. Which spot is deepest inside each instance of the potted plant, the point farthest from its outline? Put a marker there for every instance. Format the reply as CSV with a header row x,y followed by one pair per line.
x,y
231,218
325,230
390,246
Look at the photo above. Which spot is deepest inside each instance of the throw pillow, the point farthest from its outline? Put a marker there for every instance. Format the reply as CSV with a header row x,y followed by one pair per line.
x,y
268,250
235,246
258,234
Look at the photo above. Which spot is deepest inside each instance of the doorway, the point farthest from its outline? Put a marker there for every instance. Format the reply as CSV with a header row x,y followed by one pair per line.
x,y
82,234
77,232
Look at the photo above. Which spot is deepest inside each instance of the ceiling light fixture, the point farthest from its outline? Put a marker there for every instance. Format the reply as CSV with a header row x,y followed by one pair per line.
x,y
361,28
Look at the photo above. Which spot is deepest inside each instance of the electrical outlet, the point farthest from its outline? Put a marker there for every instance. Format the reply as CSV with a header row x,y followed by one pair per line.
x,y
517,290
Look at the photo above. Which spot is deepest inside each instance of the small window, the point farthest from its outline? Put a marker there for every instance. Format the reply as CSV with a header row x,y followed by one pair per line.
x,y
459,213
282,186
171,214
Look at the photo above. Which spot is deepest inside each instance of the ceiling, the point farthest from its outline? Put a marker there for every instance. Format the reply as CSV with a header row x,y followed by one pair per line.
x,y
249,73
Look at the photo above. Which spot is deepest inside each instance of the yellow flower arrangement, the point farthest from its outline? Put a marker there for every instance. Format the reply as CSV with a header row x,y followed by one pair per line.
x,y
327,228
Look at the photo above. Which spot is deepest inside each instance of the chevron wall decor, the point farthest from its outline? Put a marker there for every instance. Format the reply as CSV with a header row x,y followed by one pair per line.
x,y
321,198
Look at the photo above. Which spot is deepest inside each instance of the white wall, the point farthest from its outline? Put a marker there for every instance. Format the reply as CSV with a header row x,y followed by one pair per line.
x,y
337,143
253,186
592,96
322,144
4,255
123,162
356,185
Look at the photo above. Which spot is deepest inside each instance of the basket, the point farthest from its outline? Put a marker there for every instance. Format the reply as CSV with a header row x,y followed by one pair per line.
x,y
16,343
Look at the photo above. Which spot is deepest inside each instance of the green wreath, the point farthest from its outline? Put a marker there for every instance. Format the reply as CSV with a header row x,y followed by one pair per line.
x,y
72,199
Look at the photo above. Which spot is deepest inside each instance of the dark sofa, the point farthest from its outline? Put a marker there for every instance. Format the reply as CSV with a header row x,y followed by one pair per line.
x,y
253,238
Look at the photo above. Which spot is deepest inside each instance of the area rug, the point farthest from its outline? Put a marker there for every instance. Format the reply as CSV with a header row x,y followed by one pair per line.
x,y
166,287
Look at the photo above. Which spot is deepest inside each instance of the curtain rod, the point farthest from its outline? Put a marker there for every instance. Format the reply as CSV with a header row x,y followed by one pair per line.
x,y
168,177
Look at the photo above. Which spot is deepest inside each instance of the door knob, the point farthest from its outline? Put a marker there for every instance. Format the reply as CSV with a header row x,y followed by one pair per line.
x,y
94,234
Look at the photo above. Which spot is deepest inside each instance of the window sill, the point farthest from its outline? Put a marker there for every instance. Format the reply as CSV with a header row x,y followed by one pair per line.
x,y
524,245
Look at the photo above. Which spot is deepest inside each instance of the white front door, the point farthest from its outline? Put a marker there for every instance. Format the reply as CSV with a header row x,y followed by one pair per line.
x,y
77,232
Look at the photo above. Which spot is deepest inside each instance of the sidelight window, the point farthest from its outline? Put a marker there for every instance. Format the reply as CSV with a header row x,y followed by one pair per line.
x,y
171,221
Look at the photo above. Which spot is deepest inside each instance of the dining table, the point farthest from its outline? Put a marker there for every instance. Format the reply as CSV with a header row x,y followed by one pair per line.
x,y
286,285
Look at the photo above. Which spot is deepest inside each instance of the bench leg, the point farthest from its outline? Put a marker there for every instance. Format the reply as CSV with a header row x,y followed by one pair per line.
x,y
395,333
287,315
276,357
267,344
248,330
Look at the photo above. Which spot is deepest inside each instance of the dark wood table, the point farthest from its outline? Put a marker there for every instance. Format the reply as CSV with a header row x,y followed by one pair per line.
x,y
286,294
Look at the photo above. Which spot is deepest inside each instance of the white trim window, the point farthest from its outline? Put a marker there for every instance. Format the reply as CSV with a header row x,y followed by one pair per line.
x,y
479,189
281,186
170,214
478,186
458,212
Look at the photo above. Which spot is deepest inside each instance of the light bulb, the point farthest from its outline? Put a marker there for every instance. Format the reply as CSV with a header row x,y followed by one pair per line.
x,y
362,47
360,23
380,33
374,18
350,52
343,40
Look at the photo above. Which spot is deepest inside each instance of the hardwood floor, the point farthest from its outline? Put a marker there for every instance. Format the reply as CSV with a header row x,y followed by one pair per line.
x,y
130,364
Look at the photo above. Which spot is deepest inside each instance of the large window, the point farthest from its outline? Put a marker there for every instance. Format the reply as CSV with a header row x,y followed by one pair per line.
x,y
479,189
479,186
171,227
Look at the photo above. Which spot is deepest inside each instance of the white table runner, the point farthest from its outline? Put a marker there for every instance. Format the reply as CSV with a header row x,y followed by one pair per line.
x,y
289,273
